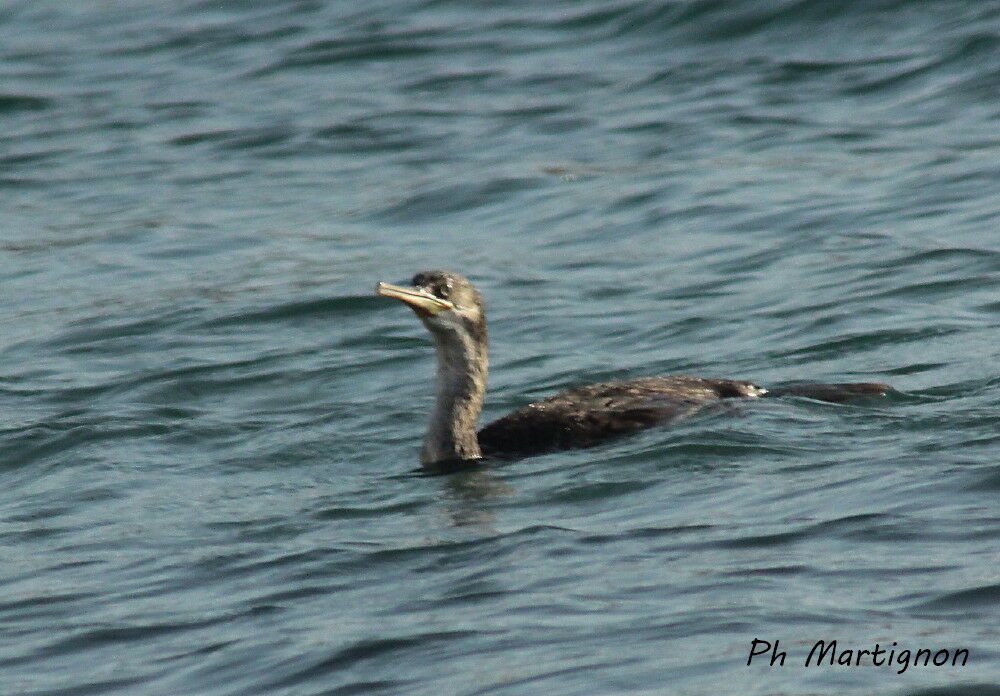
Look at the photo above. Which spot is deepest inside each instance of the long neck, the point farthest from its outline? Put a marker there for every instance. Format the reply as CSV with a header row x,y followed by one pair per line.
x,y
461,383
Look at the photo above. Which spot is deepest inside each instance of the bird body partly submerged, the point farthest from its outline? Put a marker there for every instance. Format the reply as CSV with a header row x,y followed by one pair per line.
x,y
588,415
452,310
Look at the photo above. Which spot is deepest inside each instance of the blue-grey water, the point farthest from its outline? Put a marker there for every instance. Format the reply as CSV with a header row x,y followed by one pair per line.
x,y
209,425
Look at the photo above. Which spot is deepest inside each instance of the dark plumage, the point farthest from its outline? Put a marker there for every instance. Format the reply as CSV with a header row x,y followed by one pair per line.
x,y
452,309
587,415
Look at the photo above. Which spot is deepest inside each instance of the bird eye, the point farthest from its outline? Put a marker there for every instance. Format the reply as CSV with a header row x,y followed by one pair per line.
x,y
442,289
434,284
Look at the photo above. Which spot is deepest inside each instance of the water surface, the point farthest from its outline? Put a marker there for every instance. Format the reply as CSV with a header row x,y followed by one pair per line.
x,y
210,424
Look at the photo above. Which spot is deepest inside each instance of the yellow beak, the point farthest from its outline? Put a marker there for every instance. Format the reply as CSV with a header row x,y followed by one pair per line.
x,y
419,300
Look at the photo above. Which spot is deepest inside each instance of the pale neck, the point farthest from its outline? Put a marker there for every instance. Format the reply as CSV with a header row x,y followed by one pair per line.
x,y
461,383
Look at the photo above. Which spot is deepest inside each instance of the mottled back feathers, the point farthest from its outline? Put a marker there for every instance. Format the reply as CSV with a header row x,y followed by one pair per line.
x,y
585,416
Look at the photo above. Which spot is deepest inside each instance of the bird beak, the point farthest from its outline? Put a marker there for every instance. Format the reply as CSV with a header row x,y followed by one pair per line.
x,y
421,301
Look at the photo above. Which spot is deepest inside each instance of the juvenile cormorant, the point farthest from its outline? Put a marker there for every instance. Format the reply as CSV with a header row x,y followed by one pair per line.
x,y
452,310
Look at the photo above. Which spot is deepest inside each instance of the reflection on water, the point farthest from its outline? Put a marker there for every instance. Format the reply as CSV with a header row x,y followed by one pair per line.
x,y
468,497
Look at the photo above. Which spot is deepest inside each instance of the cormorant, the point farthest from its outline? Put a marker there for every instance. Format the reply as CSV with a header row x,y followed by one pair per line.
x,y
452,310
